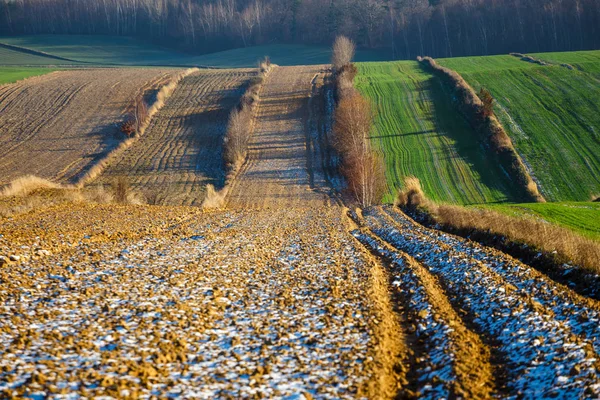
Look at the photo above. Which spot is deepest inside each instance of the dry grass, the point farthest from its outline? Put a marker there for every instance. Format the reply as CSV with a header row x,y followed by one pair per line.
x,y
27,184
163,94
31,193
488,127
563,244
214,198
412,196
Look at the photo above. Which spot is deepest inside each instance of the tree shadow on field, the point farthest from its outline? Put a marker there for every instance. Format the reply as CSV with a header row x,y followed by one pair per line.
x,y
448,121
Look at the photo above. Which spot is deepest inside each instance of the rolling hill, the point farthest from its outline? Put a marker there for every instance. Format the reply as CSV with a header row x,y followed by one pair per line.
x,y
113,50
551,113
419,133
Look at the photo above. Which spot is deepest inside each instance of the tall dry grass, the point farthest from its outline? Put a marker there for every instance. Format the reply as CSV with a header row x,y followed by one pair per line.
x,y
564,245
24,185
31,193
163,94
487,125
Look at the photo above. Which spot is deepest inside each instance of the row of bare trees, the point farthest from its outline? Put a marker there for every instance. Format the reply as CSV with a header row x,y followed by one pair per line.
x,y
405,28
361,166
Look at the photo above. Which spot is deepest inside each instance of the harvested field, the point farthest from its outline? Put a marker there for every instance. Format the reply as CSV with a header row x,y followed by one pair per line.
x,y
181,151
58,125
284,294
279,170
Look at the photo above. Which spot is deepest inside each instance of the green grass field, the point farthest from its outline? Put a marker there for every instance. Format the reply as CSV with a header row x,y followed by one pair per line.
x,y
552,115
10,75
587,61
111,50
420,133
581,217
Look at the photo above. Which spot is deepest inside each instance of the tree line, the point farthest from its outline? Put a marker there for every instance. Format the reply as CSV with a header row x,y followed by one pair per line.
x,y
402,28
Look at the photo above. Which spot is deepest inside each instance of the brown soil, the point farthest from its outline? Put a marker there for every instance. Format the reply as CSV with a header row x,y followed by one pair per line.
x,y
58,125
278,295
277,172
181,151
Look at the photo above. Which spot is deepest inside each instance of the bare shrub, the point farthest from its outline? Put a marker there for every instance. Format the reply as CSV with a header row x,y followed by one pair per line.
x,y
343,52
488,127
214,198
237,137
264,65
362,168
487,100
345,81
137,117
411,196
120,189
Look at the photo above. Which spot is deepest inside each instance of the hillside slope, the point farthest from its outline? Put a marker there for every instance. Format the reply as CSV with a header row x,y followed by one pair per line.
x,y
551,113
419,133
117,50
181,151
58,125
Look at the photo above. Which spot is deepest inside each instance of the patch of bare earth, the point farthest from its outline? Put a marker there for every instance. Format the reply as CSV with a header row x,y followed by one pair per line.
x,y
58,125
181,151
132,301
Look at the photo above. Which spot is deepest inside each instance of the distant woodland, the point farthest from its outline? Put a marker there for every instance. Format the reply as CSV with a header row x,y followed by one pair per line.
x,y
402,28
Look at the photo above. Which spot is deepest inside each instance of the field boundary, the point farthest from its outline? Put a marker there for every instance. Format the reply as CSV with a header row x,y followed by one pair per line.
x,y
218,198
488,128
38,53
163,94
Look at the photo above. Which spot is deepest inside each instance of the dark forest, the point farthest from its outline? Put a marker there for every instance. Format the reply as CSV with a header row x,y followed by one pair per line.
x,y
403,29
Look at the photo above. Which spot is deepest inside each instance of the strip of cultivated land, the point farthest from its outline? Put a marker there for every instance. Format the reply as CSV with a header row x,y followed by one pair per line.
x,y
420,133
586,61
173,301
58,125
278,172
181,151
11,75
540,337
552,115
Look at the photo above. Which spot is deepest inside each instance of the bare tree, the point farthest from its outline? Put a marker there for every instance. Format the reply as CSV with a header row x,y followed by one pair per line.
x,y
361,166
343,52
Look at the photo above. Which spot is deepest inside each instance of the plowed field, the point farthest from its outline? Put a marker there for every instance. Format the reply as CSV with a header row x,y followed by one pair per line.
x,y
181,151
286,294
58,125
278,171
